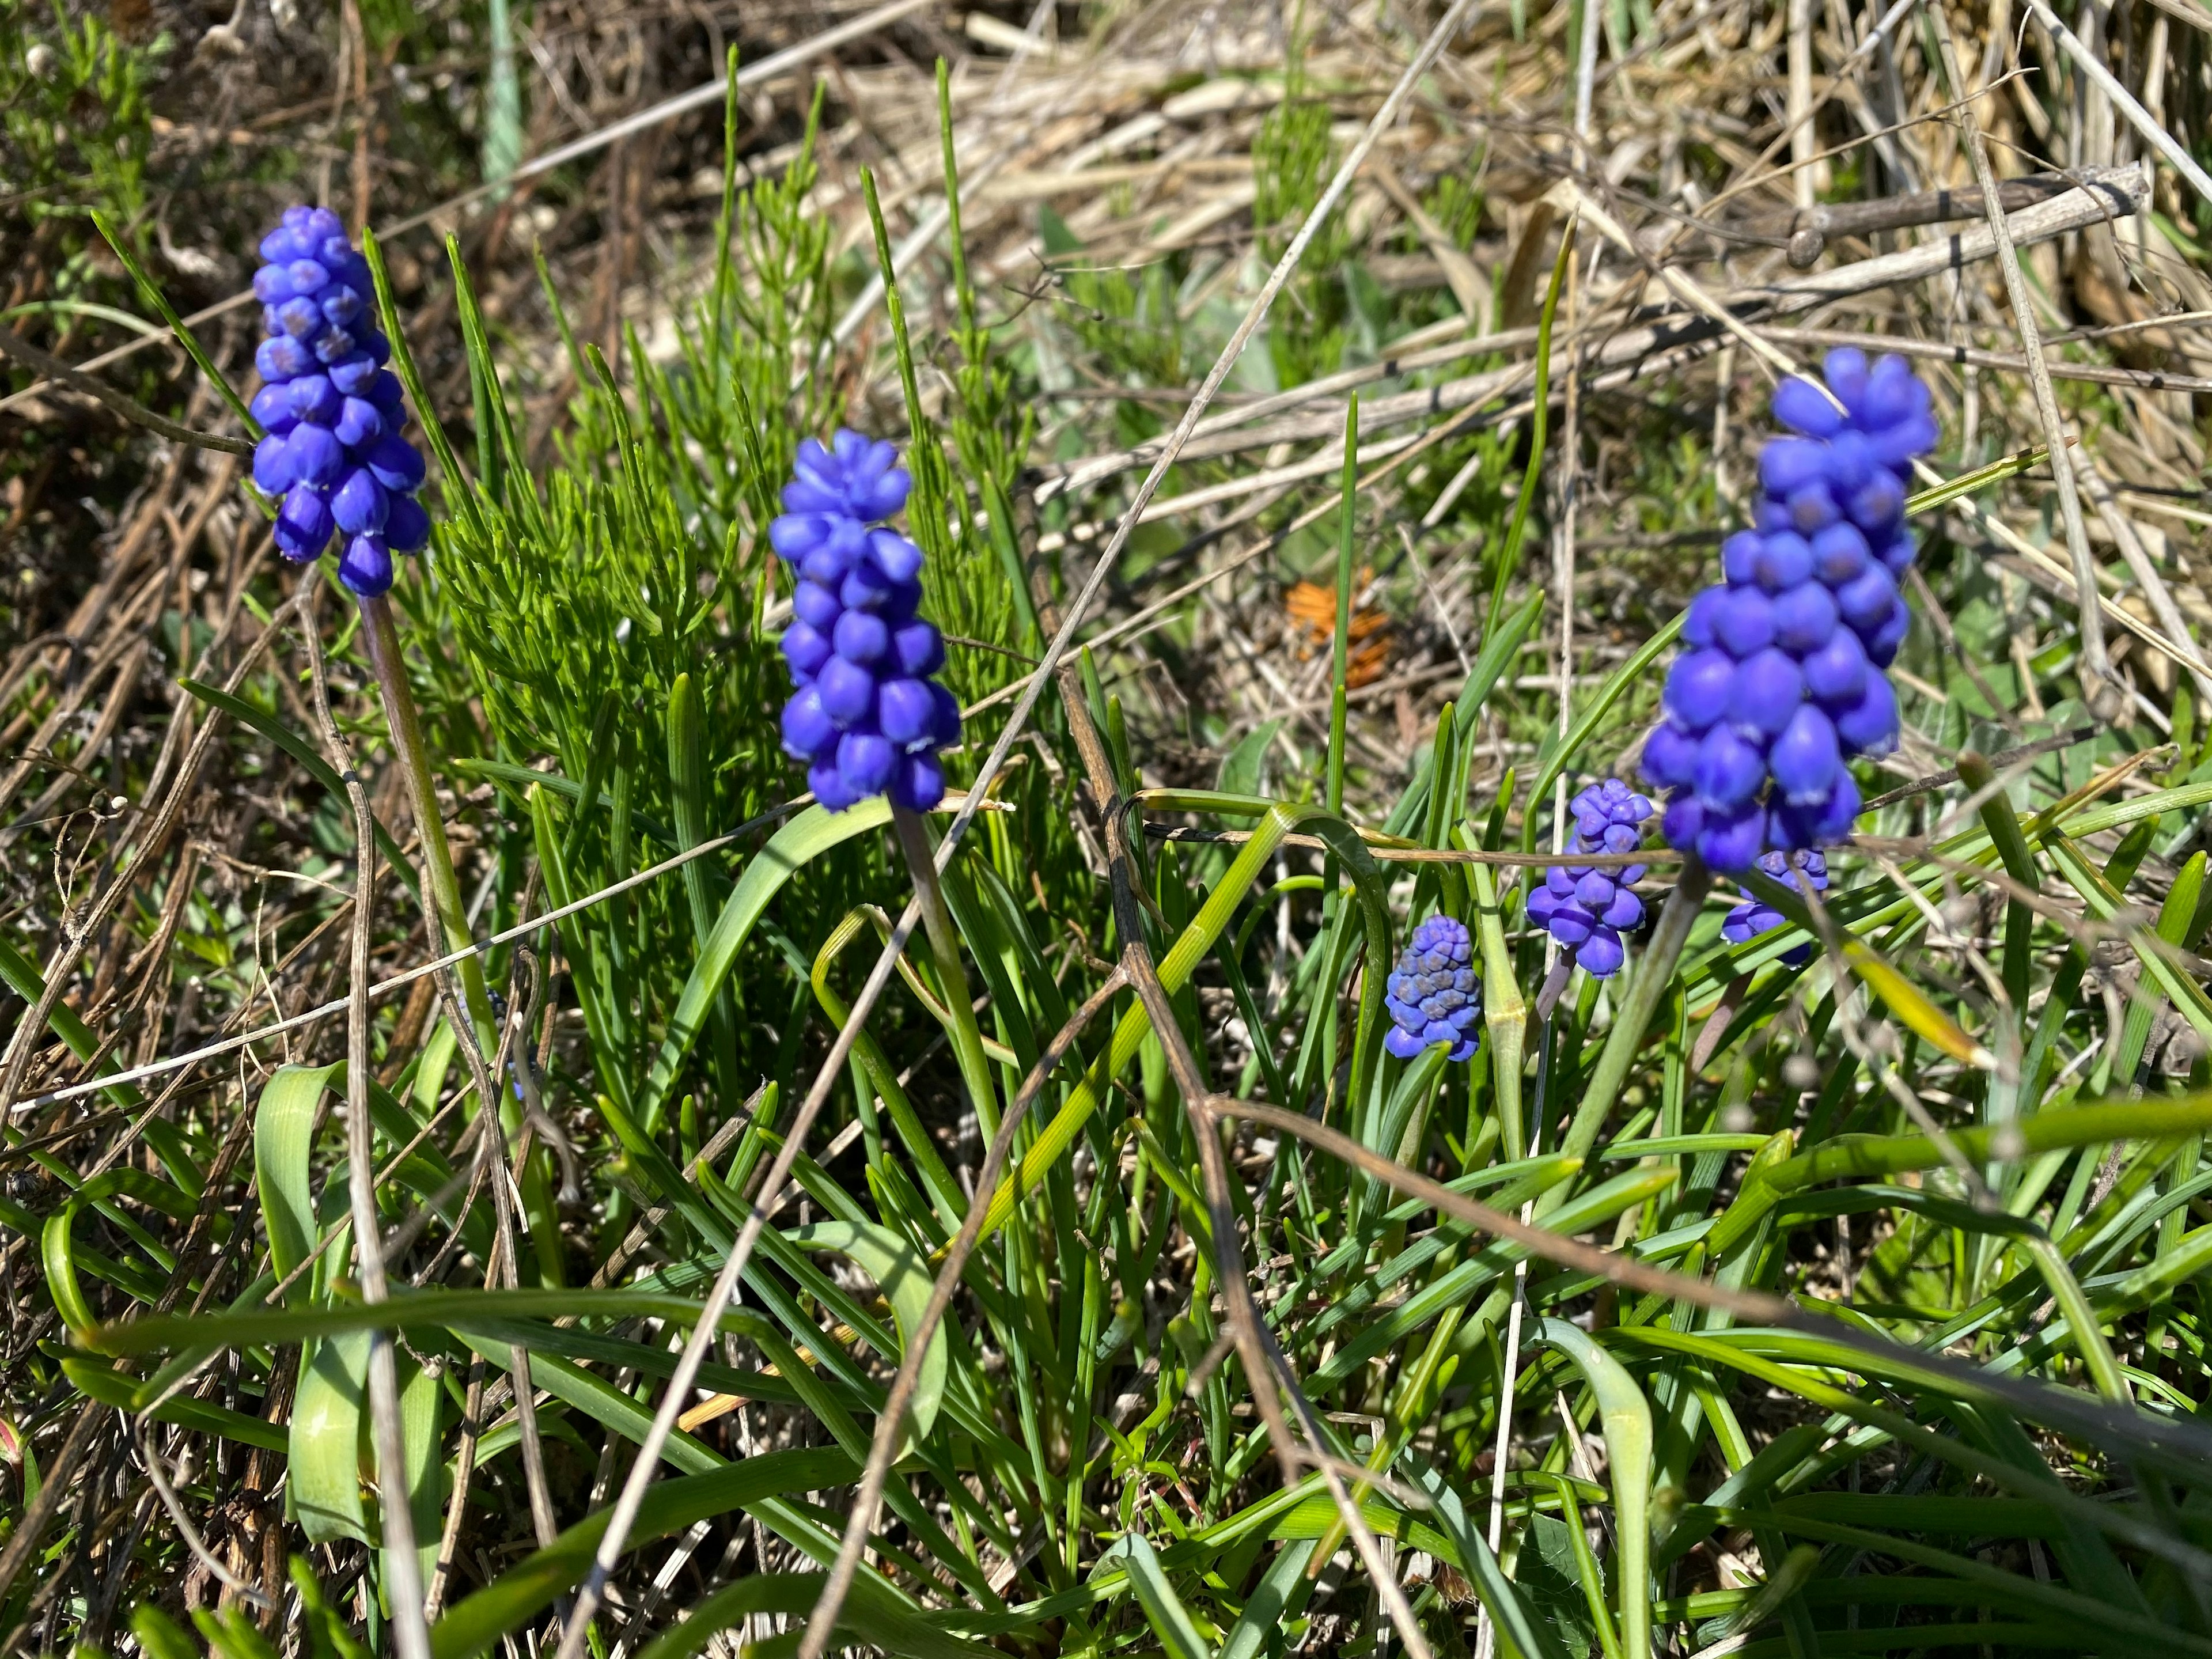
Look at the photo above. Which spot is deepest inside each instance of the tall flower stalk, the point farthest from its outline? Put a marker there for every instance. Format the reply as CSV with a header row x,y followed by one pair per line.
x,y
867,713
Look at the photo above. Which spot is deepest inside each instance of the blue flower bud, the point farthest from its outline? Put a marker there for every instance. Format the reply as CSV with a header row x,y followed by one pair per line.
x,y
358,504
273,472
1812,509
1767,691
395,463
1836,674
366,566
280,358
1625,908
1817,824
918,784
1845,369
1870,725
1744,622
1698,620
1730,839
860,637
1852,461
867,762
1881,645
406,526
1804,619
1670,756
906,711
917,647
1877,505
848,691
1739,557
1602,954
1787,465
1839,554
1891,395
948,716
299,317
816,605
1865,601
272,407
360,423
1806,758
1804,407
806,650
829,784
313,398
1783,561
303,523
866,587
1697,687
353,372
1729,770
317,455
894,556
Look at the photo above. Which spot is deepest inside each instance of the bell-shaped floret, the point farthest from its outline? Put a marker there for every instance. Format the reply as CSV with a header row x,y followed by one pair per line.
x,y
1806,758
1870,726
1729,770
1767,691
359,503
1698,687
848,691
364,567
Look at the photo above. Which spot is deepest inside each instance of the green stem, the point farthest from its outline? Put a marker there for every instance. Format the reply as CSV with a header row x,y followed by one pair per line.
x,y
1653,976
448,915
952,977
442,888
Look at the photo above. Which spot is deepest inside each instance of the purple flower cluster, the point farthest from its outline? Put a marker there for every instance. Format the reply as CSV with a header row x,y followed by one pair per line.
x,y
332,411
1435,995
1588,908
1785,678
868,717
1756,916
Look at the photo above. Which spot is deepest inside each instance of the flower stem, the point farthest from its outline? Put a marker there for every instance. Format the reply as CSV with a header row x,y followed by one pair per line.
x,y
448,917
442,888
952,977
1653,974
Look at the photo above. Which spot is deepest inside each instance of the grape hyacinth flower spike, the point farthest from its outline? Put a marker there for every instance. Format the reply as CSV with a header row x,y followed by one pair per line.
x,y
333,456
868,715
1434,996
1588,907
1784,676
1756,916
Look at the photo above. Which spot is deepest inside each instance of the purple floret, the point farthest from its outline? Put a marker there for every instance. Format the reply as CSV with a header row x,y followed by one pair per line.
x,y
1784,685
1434,996
867,717
334,454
